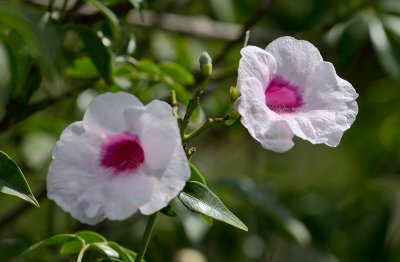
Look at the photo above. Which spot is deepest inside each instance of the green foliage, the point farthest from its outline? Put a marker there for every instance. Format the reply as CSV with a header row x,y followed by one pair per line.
x,y
81,242
111,18
97,51
12,181
310,204
199,198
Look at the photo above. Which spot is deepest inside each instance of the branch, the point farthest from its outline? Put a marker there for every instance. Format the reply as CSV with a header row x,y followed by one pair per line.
x,y
199,26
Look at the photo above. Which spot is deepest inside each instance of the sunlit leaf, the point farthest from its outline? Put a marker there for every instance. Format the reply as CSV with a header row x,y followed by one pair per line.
x,y
90,236
199,198
58,239
126,255
73,246
12,181
99,54
106,249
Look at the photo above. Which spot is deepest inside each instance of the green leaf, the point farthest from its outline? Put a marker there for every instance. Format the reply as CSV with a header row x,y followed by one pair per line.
x,y
58,239
91,237
195,175
99,54
126,254
199,198
72,247
82,67
106,249
383,47
168,211
147,66
181,93
111,17
12,181
177,73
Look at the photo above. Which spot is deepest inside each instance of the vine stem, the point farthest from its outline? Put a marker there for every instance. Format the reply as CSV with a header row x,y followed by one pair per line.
x,y
207,124
146,237
193,104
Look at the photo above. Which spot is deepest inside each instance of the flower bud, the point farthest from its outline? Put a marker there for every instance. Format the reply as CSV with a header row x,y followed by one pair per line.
x,y
205,64
234,92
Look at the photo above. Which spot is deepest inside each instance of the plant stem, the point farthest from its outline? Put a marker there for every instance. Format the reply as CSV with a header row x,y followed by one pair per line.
x,y
207,124
175,104
193,104
146,237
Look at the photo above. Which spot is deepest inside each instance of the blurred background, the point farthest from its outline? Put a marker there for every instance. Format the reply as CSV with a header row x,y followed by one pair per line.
x,y
313,203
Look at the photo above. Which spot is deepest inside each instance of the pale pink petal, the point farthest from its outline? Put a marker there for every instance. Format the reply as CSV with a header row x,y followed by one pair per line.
x,y
264,125
92,188
302,97
256,62
295,59
158,131
78,184
329,109
170,183
106,111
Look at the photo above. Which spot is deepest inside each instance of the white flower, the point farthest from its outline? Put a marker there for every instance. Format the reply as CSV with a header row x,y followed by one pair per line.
x,y
287,89
123,157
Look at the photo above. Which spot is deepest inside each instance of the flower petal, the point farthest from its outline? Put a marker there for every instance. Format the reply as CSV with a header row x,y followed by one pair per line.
x,y
106,111
263,124
78,184
295,59
158,132
329,109
327,91
256,62
170,183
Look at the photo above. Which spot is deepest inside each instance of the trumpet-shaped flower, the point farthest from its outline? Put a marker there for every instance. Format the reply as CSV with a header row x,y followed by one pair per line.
x,y
287,89
123,157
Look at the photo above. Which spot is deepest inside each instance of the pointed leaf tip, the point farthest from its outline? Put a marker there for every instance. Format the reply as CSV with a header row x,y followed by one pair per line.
x,y
12,181
199,198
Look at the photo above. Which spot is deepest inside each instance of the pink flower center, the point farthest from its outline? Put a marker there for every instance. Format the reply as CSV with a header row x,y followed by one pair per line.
x,y
282,97
122,152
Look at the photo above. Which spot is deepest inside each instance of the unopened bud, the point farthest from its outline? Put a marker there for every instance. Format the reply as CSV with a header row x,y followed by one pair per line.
x,y
234,92
205,64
